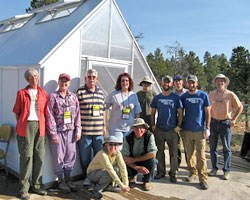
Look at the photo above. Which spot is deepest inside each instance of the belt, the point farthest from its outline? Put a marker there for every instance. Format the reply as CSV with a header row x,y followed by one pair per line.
x,y
219,120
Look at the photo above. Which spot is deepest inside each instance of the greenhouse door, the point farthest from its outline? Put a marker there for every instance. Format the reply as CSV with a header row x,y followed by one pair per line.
x,y
108,73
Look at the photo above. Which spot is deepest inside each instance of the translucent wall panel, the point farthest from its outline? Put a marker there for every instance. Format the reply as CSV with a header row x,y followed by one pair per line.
x,y
107,77
95,34
121,40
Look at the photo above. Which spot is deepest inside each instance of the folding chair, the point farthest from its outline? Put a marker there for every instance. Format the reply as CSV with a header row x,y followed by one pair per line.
x,y
5,133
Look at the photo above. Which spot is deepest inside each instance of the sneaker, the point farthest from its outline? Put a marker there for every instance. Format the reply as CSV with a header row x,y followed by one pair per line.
x,y
213,172
191,178
72,186
147,186
64,187
24,196
173,179
39,191
226,176
204,185
111,188
97,194
158,176
86,182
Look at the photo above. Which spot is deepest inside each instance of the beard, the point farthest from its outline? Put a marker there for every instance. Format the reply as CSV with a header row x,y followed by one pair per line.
x,y
166,88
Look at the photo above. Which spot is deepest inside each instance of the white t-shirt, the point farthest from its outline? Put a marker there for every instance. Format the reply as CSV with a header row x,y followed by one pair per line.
x,y
33,106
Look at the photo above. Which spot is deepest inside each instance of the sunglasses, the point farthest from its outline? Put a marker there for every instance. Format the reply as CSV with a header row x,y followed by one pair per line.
x,y
89,77
114,144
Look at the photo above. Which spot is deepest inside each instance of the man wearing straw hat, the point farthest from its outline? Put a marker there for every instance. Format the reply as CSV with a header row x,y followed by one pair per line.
x,y
145,97
225,109
139,152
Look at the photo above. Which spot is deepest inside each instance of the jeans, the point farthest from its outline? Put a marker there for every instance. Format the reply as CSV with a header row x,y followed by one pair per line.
x,y
149,164
86,145
220,128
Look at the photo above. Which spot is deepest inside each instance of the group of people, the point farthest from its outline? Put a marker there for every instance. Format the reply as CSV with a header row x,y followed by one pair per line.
x,y
138,127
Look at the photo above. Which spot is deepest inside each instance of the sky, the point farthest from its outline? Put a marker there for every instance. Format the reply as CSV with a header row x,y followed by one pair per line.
x,y
216,26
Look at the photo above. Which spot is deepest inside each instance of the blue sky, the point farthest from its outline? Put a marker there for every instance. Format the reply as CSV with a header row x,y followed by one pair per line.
x,y
216,26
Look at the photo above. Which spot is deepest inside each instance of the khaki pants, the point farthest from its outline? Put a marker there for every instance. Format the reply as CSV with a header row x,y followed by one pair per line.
x,y
195,144
31,149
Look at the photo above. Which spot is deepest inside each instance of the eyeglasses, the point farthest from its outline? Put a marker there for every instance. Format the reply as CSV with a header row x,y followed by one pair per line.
x,y
89,77
113,144
124,80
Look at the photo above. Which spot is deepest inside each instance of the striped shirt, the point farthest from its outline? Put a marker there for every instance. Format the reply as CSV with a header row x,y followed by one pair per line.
x,y
91,125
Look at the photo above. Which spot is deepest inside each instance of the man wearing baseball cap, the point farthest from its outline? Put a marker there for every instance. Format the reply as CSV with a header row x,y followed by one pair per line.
x,y
179,90
196,124
225,110
168,106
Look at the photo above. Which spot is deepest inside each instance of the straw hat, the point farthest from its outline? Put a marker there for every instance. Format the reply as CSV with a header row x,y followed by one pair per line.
x,y
146,79
221,76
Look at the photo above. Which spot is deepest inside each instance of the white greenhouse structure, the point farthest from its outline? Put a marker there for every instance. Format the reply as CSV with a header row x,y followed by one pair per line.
x,y
70,36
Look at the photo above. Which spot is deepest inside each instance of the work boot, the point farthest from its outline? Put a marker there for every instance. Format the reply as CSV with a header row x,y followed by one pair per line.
x,y
204,185
24,196
71,185
63,186
147,186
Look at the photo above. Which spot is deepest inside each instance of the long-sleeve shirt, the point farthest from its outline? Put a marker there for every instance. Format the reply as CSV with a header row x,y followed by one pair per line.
x,y
22,110
57,106
103,161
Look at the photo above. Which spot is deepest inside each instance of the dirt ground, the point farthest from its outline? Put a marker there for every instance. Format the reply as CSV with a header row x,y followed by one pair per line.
x,y
237,188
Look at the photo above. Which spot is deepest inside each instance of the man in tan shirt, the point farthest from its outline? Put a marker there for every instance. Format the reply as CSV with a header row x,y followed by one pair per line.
x,y
225,109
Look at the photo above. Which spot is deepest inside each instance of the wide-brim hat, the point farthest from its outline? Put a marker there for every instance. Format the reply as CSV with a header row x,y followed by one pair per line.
x,y
139,122
221,76
146,79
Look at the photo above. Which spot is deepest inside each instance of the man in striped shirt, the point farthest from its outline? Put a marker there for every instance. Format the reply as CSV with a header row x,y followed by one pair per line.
x,y
92,107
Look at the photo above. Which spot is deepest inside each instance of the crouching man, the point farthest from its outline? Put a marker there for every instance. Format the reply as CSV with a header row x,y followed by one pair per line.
x,y
139,152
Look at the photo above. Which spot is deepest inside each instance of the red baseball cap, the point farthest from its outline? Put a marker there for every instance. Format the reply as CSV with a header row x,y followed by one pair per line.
x,y
64,75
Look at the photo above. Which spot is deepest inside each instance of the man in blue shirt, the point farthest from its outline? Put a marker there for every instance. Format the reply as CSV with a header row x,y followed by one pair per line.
x,y
196,124
169,109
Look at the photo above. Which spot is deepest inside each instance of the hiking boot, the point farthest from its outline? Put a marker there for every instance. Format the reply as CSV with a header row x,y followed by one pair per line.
x,y
226,176
158,176
64,187
173,179
115,189
191,178
213,172
97,194
204,185
86,182
147,186
72,186
39,191
24,196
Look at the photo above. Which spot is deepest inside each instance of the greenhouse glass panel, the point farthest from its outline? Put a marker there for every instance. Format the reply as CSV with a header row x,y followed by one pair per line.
x,y
95,34
121,39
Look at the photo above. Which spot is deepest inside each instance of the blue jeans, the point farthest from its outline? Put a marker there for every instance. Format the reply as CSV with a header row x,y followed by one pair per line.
x,y
220,128
86,145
